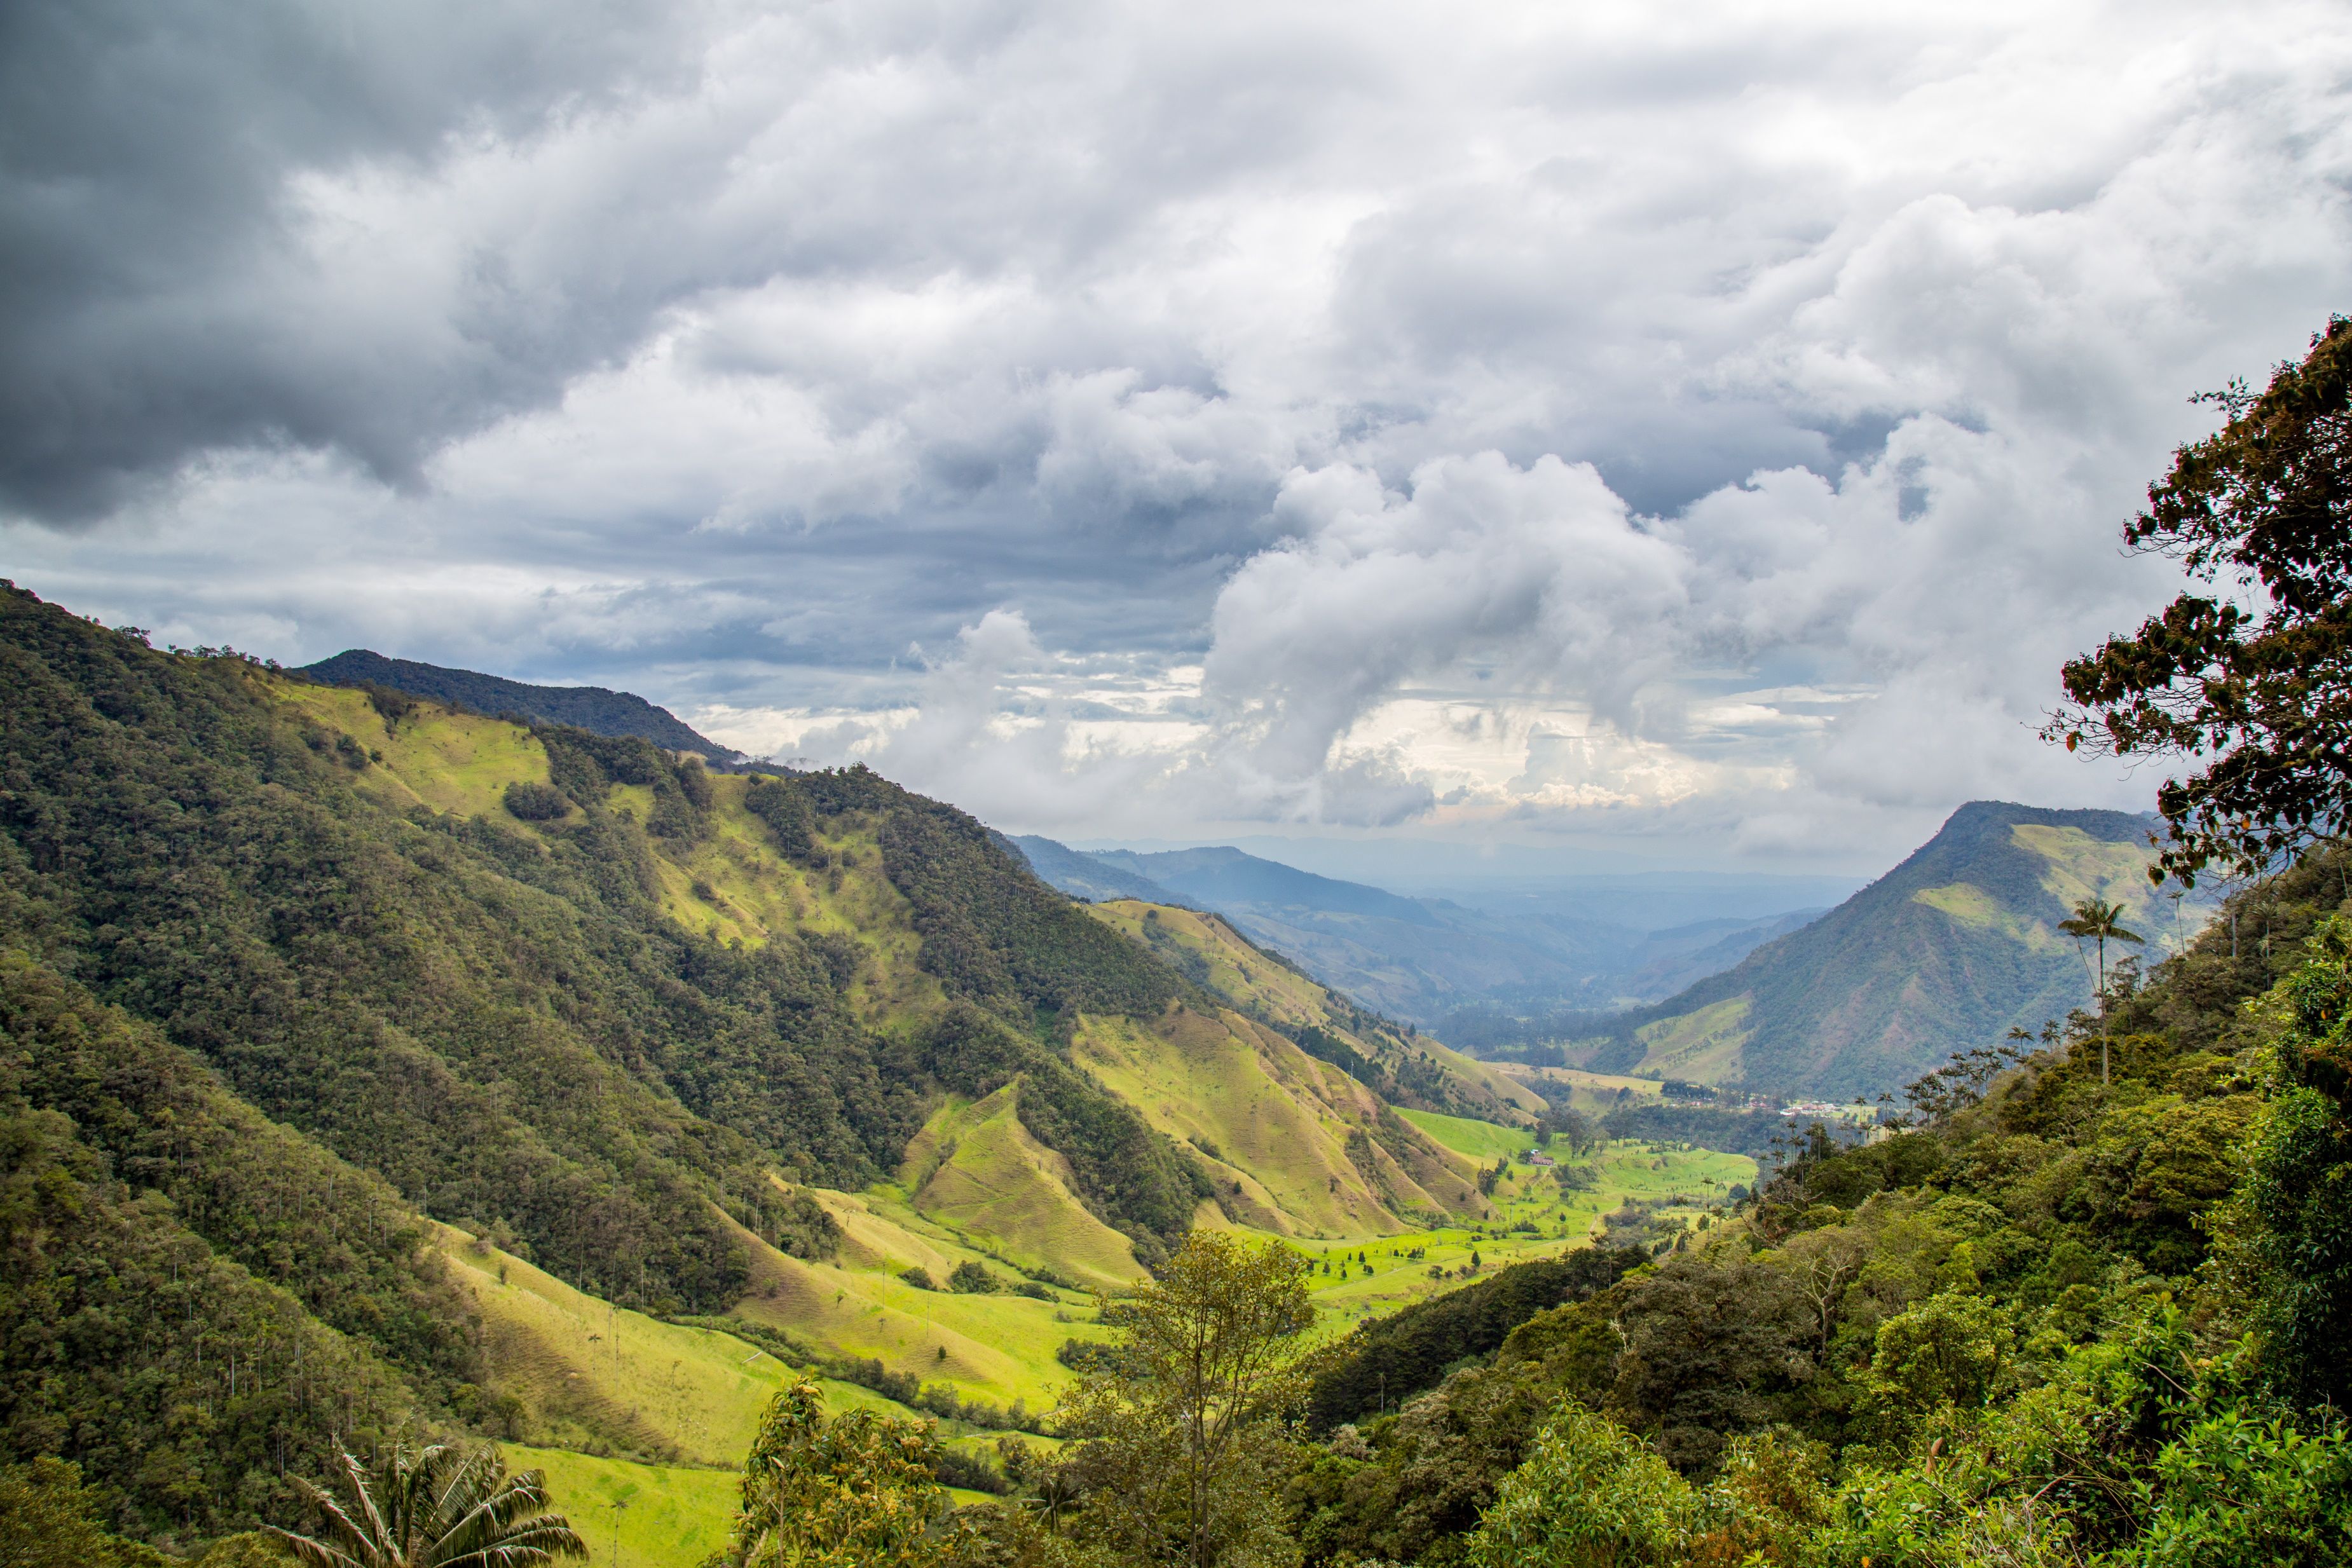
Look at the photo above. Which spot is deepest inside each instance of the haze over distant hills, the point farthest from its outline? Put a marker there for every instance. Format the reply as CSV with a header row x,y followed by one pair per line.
x,y
593,709
1624,940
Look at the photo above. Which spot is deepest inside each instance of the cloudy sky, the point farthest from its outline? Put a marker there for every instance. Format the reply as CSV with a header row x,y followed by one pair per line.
x,y
1692,432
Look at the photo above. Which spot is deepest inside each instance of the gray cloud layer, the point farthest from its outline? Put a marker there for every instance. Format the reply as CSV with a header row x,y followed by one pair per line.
x,y
1710,425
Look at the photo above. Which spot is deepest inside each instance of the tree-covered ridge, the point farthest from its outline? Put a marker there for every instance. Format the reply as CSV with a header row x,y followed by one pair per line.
x,y
193,1301
593,709
2060,1318
476,1016
506,1018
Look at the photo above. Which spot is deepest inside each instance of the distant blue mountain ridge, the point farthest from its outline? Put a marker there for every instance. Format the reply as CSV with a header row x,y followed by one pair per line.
x,y
1949,951
1420,959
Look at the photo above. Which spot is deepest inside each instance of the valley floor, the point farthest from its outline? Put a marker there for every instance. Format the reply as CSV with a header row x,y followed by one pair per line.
x,y
639,1423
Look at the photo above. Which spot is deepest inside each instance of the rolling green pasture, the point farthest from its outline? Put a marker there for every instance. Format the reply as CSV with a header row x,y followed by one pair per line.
x,y
640,1516
1482,1141
1534,1218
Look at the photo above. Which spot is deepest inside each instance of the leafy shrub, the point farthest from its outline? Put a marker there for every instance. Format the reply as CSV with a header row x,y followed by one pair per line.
x,y
790,822
970,1279
958,1468
918,1276
1085,1356
1590,1492
530,802
391,706
1392,1358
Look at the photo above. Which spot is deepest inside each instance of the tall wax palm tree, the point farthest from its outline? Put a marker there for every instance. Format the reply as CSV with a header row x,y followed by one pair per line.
x,y
2097,920
437,1507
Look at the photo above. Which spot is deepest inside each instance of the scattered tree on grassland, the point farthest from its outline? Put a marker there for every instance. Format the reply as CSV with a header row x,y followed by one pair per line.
x,y
860,1488
435,1507
1185,1428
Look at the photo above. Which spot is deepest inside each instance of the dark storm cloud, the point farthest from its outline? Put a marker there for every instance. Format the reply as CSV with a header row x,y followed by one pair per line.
x,y
1715,418
156,294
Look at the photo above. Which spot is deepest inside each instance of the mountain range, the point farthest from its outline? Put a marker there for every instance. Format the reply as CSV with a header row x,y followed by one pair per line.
x,y
368,1064
1427,960
1950,950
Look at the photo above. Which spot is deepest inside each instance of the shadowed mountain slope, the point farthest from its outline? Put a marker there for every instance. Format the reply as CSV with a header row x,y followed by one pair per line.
x,y
1094,878
593,709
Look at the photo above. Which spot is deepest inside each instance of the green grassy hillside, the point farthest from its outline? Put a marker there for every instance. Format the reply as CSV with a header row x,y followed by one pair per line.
x,y
593,709
1294,1146
1950,950
1480,1141
393,1068
1406,1067
978,1169
587,1375
650,1516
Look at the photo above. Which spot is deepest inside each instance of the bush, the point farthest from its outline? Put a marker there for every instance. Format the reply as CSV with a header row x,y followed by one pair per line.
x,y
919,1276
955,1468
971,1279
1591,1491
536,803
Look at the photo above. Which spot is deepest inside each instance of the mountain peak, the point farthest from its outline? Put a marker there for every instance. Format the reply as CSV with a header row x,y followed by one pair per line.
x,y
1950,950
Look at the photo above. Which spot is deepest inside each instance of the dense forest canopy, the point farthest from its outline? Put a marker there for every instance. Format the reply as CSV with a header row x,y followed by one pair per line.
x,y
253,1019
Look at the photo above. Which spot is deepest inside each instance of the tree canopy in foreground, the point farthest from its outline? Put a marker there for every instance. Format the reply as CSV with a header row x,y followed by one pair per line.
x,y
2249,676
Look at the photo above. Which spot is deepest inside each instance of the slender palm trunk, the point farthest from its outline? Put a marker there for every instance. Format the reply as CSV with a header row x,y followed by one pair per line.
x,y
2102,1013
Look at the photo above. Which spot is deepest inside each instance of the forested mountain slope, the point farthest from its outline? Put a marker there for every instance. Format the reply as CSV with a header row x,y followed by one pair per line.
x,y
1950,950
292,966
596,709
2089,1309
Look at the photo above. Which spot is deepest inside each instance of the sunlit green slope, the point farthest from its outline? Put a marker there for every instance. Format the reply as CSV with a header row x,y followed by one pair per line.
x,y
1407,1068
1952,950
546,1086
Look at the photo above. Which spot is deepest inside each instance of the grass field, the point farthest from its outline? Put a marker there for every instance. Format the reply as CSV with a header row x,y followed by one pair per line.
x,y
594,1376
451,762
1534,1216
977,1168
1270,1121
635,1515
1702,1047
1480,1141
997,1348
